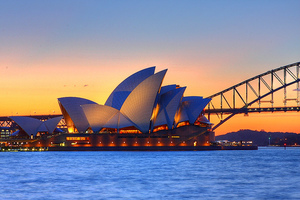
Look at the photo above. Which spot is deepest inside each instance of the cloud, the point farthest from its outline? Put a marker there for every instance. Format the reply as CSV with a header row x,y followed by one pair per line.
x,y
298,89
85,85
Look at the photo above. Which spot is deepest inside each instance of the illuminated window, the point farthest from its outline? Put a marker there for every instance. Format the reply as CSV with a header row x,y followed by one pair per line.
x,y
183,124
77,138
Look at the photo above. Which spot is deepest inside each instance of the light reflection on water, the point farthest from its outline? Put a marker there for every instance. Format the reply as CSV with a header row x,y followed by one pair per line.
x,y
268,173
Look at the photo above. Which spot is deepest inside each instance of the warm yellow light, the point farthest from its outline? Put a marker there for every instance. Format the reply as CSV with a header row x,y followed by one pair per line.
x,y
77,138
155,112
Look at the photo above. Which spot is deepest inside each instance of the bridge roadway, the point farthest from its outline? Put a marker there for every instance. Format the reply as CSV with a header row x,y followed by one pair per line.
x,y
251,110
40,117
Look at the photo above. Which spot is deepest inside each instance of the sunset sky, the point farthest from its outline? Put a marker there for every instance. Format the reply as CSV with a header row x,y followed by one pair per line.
x,y
52,49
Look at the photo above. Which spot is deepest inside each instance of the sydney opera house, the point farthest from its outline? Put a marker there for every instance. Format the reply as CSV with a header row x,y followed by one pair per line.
x,y
140,114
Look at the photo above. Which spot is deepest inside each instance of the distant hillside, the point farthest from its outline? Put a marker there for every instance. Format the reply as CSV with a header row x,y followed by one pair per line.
x,y
261,138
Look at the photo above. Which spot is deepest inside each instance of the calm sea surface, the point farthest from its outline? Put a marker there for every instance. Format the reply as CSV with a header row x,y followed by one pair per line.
x,y
268,173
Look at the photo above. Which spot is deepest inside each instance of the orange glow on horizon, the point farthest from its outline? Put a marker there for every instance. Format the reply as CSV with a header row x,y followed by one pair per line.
x,y
37,92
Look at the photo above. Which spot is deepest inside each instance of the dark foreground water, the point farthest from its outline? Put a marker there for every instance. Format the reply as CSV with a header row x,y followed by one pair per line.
x,y
268,173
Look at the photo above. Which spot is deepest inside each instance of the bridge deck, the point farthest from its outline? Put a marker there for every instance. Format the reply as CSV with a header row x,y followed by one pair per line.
x,y
251,110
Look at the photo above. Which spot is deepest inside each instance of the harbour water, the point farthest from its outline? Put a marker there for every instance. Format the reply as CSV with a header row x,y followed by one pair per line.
x,y
268,173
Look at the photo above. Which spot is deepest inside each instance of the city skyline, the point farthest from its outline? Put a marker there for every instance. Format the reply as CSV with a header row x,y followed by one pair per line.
x,y
70,48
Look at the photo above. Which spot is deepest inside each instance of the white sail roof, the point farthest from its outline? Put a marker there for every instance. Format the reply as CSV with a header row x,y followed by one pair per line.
x,y
169,104
42,128
193,107
167,88
28,124
32,126
52,123
204,120
102,116
97,115
74,113
138,106
181,114
121,92
118,121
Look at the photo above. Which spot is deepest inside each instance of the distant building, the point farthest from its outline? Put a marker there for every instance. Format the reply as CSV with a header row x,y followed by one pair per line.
x,y
5,132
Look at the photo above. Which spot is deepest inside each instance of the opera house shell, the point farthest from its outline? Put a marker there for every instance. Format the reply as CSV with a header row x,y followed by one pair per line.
x,y
139,104
32,127
139,114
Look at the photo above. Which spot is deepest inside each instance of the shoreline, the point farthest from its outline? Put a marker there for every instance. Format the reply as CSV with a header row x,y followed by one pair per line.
x,y
132,148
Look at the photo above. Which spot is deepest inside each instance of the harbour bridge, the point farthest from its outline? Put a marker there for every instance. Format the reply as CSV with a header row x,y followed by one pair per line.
x,y
276,90
254,95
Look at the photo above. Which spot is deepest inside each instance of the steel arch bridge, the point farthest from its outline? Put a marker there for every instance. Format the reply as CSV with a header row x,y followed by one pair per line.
x,y
280,84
